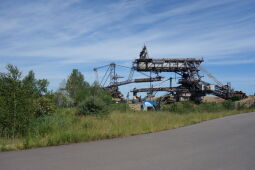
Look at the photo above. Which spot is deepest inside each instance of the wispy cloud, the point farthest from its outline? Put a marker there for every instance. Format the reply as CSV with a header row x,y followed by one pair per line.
x,y
232,62
56,35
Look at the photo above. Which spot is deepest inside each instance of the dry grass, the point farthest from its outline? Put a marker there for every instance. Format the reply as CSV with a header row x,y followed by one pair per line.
x,y
247,102
64,127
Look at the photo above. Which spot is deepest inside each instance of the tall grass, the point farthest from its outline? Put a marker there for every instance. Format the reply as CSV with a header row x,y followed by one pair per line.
x,y
65,127
189,107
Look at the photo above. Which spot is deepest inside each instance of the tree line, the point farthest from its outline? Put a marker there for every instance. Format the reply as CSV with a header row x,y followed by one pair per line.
x,y
24,99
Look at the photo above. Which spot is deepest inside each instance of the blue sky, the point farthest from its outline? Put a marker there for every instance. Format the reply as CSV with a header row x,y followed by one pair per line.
x,y
52,37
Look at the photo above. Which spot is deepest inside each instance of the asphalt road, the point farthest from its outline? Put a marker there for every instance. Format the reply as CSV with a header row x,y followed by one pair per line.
x,y
225,143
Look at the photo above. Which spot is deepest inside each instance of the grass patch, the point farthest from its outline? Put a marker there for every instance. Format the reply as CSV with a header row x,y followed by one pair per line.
x,y
65,127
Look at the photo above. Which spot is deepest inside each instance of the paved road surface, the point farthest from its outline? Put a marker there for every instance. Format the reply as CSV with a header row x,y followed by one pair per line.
x,y
225,143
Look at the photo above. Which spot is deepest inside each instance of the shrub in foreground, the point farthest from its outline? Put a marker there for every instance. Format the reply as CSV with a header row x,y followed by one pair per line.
x,y
182,107
189,107
92,106
228,105
121,107
62,99
210,107
44,106
18,97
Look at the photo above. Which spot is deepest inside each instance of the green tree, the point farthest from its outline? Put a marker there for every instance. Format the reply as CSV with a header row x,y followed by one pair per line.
x,y
77,87
18,100
92,106
61,97
34,87
97,91
16,104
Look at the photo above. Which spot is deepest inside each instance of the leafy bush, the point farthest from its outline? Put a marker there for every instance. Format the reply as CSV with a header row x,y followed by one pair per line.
x,y
188,107
228,105
121,107
183,107
63,100
101,93
44,106
92,106
209,107
235,98
77,87
46,124
17,100
78,90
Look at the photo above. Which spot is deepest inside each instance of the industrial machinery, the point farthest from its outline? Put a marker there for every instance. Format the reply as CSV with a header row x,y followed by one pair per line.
x,y
110,79
190,84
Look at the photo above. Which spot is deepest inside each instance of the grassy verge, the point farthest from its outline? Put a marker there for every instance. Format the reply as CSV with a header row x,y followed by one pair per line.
x,y
65,127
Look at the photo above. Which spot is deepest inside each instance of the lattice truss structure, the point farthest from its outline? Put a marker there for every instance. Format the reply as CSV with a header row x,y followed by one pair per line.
x,y
190,84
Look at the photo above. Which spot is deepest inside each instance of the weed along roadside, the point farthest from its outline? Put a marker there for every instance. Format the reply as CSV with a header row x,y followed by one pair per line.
x,y
64,126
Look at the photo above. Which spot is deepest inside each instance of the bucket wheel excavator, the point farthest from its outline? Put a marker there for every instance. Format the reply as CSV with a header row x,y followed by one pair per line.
x,y
190,85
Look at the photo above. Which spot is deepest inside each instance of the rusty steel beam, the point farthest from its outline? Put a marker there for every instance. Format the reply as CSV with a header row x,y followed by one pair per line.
x,y
167,64
140,80
167,89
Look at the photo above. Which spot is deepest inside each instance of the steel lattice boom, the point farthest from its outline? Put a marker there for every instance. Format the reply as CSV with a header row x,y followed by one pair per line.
x,y
191,86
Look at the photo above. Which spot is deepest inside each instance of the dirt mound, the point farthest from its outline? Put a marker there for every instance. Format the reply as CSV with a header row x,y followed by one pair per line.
x,y
213,99
135,106
248,102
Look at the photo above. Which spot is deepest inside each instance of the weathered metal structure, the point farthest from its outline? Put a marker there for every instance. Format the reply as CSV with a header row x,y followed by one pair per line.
x,y
110,79
190,84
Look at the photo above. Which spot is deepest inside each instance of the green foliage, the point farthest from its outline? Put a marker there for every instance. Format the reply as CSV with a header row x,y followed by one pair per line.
x,y
23,100
92,106
120,107
17,98
101,93
27,112
183,107
235,98
62,99
210,107
44,106
35,88
189,107
76,90
16,105
228,105
77,87
64,127
49,123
